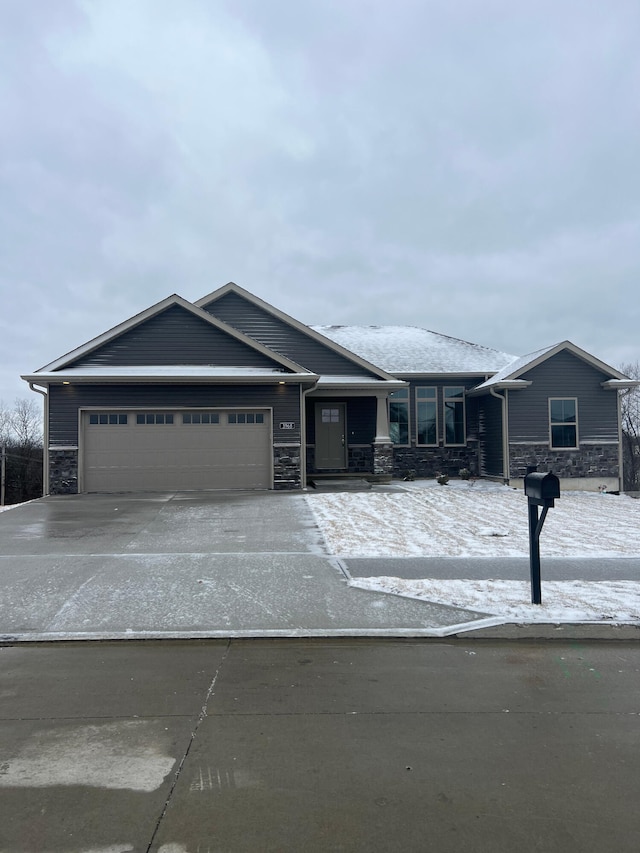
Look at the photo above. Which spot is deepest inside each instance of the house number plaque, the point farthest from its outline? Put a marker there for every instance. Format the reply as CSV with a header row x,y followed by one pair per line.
x,y
287,425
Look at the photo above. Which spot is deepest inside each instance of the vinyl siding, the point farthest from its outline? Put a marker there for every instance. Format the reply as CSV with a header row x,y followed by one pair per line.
x,y
175,337
563,375
281,337
64,402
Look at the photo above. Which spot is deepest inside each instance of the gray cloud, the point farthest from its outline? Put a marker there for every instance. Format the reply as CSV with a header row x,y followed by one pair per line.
x,y
467,167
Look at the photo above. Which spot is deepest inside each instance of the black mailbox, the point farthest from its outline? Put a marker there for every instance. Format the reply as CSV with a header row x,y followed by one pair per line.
x,y
541,489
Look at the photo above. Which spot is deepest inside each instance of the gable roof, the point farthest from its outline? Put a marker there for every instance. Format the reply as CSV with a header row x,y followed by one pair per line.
x,y
409,350
309,332
69,358
513,371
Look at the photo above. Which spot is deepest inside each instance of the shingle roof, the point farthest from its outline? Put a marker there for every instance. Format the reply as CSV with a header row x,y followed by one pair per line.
x,y
403,350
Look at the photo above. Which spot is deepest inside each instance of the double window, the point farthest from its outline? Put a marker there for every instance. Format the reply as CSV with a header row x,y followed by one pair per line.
x,y
563,422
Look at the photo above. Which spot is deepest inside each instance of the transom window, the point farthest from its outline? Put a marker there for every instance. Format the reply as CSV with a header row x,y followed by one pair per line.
x,y
246,418
454,415
154,418
427,415
109,418
200,418
399,416
563,422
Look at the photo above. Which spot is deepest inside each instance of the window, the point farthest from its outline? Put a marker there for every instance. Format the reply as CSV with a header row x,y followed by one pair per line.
x,y
155,418
200,418
563,422
454,415
108,418
399,416
427,415
246,418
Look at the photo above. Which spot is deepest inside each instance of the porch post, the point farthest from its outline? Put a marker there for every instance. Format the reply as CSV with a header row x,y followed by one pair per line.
x,y
382,444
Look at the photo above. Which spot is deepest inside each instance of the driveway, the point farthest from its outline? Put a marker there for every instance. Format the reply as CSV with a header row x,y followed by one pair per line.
x,y
191,564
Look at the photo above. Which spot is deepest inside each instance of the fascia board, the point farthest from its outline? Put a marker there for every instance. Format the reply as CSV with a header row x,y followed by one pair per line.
x,y
575,350
479,374
58,378
232,287
620,384
156,309
371,387
508,384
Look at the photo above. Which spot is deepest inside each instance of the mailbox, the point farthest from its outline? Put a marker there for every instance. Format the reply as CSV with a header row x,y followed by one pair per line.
x,y
542,489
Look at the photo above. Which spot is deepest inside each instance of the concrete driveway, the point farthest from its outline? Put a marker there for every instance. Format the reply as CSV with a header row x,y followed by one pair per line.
x,y
191,564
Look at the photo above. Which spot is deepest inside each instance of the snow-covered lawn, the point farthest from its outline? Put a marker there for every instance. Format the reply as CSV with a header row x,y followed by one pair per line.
x,y
484,520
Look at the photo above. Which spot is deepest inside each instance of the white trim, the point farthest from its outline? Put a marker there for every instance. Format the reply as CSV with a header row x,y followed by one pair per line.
x,y
552,446
169,378
63,447
426,400
445,443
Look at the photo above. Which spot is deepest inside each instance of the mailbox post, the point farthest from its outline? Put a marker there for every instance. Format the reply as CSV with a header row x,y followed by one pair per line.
x,y
541,490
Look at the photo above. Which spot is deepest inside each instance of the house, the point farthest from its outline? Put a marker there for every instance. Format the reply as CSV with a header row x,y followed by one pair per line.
x,y
231,393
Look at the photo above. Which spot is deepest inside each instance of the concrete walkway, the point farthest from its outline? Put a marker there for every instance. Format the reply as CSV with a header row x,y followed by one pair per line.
x,y
212,564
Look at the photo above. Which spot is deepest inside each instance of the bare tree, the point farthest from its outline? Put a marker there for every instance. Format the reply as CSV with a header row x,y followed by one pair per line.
x,y
21,439
630,410
25,423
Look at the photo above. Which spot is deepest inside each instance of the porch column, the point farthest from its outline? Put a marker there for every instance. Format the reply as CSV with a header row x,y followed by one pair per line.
x,y
382,444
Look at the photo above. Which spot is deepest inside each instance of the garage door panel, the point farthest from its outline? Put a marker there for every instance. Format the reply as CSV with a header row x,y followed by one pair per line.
x,y
176,456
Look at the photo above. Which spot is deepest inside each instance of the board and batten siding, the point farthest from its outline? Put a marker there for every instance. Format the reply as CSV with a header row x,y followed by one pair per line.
x,y
173,337
66,400
281,337
563,375
490,433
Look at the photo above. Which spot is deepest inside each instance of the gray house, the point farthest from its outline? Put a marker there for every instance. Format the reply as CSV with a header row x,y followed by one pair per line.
x,y
230,392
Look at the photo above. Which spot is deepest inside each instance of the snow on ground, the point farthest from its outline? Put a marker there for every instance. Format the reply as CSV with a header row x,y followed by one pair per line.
x,y
484,520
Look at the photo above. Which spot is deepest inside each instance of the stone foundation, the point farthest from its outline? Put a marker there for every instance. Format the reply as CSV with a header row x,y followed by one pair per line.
x,y
287,473
590,460
63,472
359,461
383,459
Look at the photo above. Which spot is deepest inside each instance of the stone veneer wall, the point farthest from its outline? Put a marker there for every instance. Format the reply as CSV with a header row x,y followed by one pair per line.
x,y
590,460
359,461
63,472
383,459
287,473
431,461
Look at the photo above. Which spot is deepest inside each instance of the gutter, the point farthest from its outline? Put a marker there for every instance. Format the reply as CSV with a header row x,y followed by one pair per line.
x,y
303,432
45,440
505,434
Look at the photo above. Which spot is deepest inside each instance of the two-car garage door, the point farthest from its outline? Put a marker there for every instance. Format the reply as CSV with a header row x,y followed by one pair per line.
x,y
164,450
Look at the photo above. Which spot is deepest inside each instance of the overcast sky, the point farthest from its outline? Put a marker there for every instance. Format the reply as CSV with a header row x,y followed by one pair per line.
x,y
469,166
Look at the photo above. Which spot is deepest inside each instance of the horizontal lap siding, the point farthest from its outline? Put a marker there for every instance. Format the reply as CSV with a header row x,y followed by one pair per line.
x,y
175,337
563,375
281,337
65,400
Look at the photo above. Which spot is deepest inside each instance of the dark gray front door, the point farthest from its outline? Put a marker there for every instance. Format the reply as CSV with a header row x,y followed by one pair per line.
x,y
331,446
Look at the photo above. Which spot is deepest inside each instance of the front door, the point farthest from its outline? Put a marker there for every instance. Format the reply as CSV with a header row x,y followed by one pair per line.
x,y
331,445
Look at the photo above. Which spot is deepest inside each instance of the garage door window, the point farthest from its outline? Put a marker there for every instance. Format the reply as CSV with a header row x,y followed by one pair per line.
x,y
246,418
110,419
154,418
200,418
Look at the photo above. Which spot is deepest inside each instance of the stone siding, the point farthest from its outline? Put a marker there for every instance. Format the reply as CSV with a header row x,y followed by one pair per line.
x,y
63,472
383,459
431,461
287,472
590,460
359,461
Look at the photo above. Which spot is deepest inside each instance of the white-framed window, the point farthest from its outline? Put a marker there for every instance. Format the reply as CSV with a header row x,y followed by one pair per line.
x,y
245,418
563,423
108,418
454,416
147,418
426,416
200,418
399,416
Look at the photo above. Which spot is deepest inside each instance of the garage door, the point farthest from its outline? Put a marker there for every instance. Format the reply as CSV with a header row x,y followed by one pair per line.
x,y
176,450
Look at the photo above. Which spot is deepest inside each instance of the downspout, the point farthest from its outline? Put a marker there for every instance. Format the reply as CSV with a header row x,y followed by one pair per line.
x,y
620,446
505,434
45,440
303,433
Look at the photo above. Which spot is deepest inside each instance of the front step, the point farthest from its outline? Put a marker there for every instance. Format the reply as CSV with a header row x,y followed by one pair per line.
x,y
340,484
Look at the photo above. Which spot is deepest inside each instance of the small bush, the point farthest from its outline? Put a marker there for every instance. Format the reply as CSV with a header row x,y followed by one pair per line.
x,y
464,474
409,475
442,479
